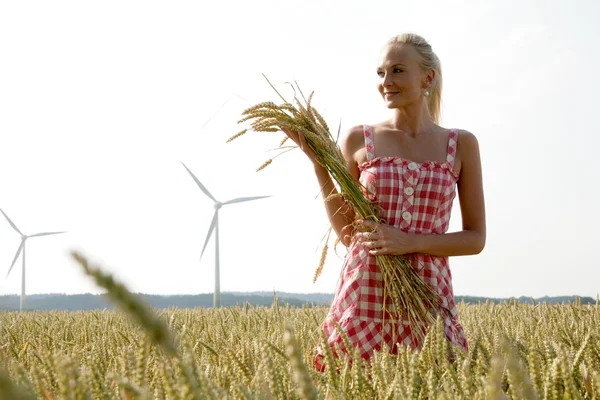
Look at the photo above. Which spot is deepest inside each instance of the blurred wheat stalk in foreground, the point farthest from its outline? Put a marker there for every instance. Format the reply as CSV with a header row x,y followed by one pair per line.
x,y
518,351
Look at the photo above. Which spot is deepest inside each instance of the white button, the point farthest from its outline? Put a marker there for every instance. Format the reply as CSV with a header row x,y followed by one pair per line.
x,y
409,191
407,216
412,166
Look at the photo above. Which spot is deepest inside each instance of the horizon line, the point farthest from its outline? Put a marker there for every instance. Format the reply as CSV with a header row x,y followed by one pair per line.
x,y
271,292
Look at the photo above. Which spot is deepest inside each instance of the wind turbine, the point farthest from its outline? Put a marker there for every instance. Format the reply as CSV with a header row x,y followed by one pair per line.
x,y
214,227
22,248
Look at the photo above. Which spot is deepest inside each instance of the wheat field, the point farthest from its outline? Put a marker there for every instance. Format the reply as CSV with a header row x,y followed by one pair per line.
x,y
518,351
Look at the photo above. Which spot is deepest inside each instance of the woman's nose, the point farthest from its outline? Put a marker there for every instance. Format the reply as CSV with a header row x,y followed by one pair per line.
x,y
386,79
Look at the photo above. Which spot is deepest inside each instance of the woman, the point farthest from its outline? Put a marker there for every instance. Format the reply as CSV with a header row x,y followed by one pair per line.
x,y
411,168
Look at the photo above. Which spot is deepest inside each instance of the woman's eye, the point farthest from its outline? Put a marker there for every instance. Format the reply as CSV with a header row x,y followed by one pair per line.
x,y
379,73
397,70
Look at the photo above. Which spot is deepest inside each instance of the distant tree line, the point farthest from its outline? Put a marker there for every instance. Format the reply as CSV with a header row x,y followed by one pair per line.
x,y
45,302
530,300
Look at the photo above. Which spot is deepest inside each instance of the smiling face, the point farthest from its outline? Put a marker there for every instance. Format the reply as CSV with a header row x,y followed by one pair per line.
x,y
402,81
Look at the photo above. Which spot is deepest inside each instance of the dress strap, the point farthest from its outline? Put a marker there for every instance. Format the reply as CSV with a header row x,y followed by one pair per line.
x,y
369,145
452,142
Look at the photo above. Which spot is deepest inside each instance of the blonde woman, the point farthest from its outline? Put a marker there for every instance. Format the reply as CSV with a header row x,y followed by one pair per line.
x,y
412,169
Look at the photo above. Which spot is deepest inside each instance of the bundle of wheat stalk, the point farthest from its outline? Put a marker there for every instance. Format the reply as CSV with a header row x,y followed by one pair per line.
x,y
408,293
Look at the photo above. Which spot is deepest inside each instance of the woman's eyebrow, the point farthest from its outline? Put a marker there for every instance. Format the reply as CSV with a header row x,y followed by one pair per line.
x,y
391,66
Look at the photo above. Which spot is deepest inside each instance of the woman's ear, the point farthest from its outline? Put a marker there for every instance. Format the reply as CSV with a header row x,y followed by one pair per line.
x,y
429,79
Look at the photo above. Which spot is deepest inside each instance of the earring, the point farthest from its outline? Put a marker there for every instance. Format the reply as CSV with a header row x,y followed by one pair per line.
x,y
426,93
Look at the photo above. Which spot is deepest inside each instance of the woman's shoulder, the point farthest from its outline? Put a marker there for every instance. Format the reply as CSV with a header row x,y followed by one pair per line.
x,y
352,141
380,125
461,132
355,136
467,149
358,131
465,138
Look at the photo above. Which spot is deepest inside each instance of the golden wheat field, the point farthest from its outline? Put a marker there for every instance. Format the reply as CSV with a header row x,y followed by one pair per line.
x,y
516,351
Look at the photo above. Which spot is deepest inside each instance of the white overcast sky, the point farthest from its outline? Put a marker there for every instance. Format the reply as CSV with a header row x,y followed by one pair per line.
x,y
100,101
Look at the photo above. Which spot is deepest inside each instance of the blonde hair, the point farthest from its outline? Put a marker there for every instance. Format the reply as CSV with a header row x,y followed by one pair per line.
x,y
429,60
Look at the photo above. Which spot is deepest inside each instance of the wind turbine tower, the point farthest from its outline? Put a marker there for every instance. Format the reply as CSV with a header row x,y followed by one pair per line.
x,y
214,227
22,249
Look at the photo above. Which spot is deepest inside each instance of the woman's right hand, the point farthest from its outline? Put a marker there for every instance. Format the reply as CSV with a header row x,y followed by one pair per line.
x,y
300,140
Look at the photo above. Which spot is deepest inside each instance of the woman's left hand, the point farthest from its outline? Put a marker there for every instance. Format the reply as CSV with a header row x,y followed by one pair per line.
x,y
385,239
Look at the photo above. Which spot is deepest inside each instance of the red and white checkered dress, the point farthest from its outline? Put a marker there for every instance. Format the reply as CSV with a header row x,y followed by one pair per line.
x,y
416,197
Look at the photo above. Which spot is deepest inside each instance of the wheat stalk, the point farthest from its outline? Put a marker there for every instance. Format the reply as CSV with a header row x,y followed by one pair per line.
x,y
133,305
516,352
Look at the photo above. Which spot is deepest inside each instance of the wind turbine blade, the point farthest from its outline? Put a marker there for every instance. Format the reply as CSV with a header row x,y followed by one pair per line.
x,y
11,223
16,256
202,187
46,233
213,224
243,199
222,105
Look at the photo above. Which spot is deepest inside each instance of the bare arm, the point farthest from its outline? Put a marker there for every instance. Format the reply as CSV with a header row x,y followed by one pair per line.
x,y
341,216
470,240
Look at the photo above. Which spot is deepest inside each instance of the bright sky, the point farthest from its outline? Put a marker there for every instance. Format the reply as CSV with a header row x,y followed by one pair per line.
x,y
100,101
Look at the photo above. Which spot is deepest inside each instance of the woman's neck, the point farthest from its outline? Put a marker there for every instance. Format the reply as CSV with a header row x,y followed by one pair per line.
x,y
413,120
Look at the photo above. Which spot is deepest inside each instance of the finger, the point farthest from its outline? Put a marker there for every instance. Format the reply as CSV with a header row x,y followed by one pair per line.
x,y
378,252
365,224
361,238
367,236
302,138
291,134
380,247
369,231
374,244
298,140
